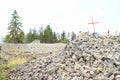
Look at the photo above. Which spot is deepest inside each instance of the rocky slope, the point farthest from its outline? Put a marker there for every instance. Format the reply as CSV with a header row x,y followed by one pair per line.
x,y
88,58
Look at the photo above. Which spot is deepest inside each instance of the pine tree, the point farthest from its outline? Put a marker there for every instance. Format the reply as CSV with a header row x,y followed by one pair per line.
x,y
32,35
35,34
16,35
63,35
73,36
29,37
41,35
55,40
48,35
64,39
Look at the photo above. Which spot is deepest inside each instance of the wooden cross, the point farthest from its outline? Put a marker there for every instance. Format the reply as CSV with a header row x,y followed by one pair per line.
x,y
93,24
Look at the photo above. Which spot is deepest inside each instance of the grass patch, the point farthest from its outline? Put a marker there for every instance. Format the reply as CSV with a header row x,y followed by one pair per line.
x,y
12,63
15,62
16,51
3,67
3,76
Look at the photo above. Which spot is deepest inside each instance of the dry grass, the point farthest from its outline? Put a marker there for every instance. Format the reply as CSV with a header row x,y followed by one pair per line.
x,y
15,51
11,64
17,61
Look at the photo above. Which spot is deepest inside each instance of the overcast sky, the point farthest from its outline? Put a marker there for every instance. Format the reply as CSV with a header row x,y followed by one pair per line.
x,y
68,15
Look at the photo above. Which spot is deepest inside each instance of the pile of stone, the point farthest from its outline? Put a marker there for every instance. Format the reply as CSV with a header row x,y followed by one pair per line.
x,y
90,57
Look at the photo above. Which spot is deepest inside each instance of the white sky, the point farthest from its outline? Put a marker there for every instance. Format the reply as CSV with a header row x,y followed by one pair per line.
x,y
68,15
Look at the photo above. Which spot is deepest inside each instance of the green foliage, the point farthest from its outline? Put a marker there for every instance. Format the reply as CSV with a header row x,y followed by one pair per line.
x,y
45,36
11,64
33,58
7,66
3,67
48,35
31,36
64,39
35,34
41,35
55,39
63,35
16,35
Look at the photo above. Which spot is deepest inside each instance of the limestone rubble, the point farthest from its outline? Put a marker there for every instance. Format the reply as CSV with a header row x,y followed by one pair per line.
x,y
90,57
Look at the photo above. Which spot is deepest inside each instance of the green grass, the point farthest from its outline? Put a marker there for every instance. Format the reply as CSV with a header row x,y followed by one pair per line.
x,y
11,64
3,76
7,66
3,67
16,50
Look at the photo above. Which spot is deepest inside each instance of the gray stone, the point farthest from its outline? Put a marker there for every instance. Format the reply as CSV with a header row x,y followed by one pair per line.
x,y
90,57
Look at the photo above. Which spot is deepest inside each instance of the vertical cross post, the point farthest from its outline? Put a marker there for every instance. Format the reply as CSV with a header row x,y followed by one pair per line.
x,y
93,24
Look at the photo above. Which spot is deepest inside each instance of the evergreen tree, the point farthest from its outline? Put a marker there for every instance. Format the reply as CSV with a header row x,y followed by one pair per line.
x,y
63,35
32,35
55,40
41,35
48,35
16,35
35,34
58,35
73,36
29,37
64,39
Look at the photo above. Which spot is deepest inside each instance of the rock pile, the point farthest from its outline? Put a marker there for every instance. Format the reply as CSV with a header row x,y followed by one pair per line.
x,y
88,58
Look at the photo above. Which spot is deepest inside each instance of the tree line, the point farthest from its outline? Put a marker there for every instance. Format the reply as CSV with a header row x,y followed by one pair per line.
x,y
47,35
